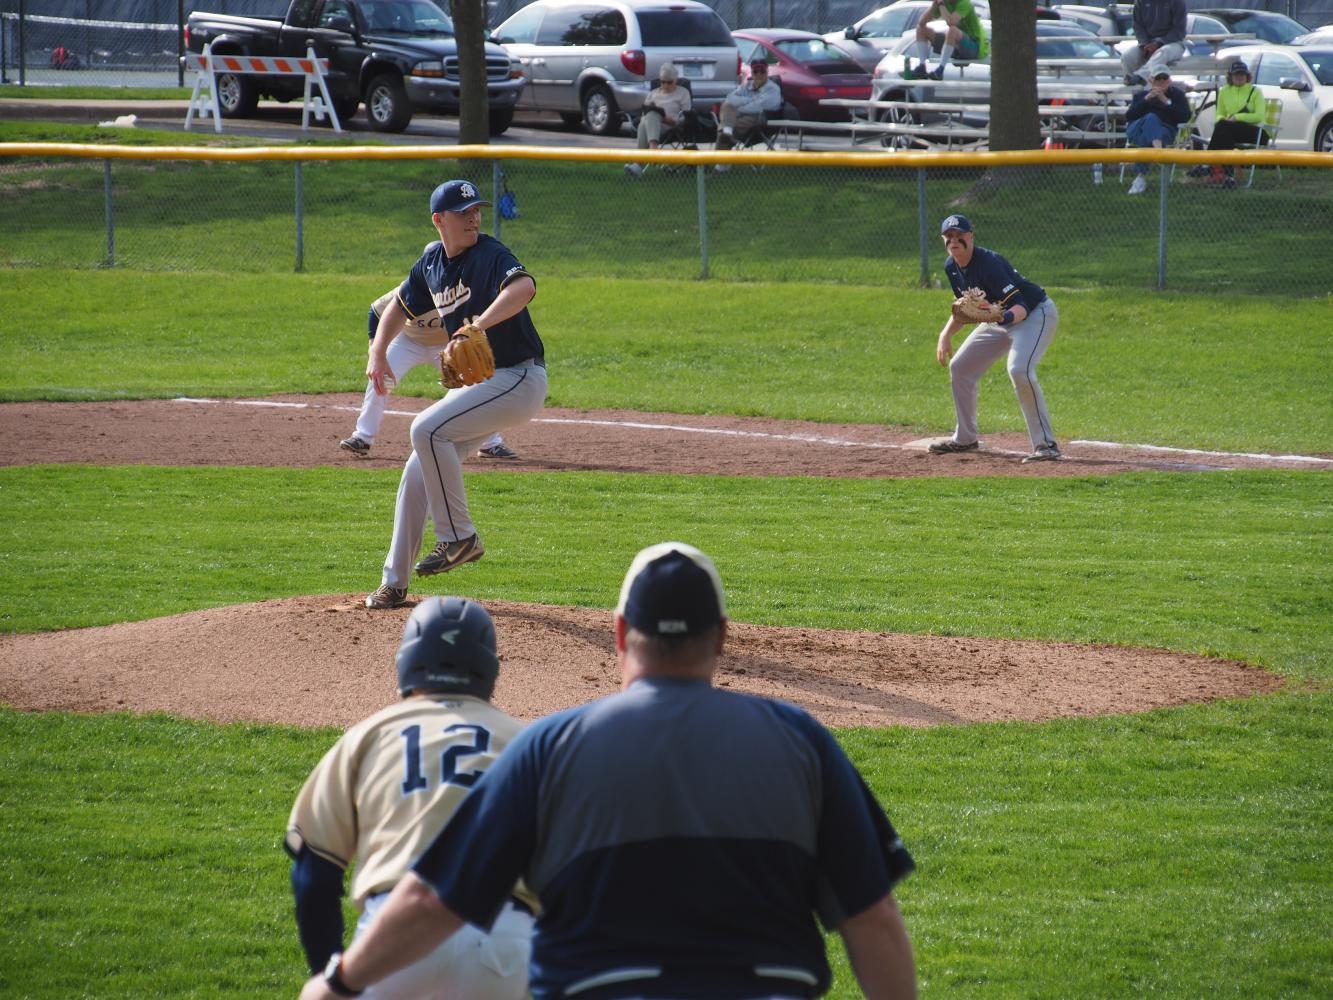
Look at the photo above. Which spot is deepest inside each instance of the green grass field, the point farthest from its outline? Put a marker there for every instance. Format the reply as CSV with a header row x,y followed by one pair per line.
x,y
1181,853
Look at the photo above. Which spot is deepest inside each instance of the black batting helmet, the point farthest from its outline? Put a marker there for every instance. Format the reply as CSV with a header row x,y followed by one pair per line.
x,y
448,646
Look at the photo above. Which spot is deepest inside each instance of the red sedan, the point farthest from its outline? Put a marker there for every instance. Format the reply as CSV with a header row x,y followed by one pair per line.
x,y
810,68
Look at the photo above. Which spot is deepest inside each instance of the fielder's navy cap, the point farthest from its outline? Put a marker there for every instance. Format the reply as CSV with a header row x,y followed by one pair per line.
x,y
958,222
672,589
455,196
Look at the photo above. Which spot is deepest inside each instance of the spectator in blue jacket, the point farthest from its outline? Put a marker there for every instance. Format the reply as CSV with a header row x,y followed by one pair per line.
x,y
743,111
1159,30
1153,118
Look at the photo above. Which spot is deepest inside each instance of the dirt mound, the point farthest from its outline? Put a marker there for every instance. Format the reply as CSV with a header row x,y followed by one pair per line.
x,y
317,661
327,661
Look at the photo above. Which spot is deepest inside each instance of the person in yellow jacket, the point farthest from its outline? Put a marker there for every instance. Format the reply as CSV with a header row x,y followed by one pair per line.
x,y
1240,112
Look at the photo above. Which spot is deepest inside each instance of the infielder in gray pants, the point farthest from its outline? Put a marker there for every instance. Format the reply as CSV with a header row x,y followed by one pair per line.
x,y
1024,333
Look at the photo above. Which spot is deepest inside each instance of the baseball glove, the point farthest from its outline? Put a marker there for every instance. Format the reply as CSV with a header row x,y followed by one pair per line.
x,y
972,307
467,359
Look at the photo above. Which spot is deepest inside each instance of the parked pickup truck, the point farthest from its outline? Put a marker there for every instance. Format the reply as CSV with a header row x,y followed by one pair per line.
x,y
395,56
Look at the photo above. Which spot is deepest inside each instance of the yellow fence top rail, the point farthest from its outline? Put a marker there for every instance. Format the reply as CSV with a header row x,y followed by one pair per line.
x,y
899,159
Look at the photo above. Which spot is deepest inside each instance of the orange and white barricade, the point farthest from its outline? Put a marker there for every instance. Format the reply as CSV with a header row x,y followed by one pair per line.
x,y
207,66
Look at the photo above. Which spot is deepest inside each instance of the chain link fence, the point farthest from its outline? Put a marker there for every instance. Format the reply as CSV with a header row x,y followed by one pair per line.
x,y
868,219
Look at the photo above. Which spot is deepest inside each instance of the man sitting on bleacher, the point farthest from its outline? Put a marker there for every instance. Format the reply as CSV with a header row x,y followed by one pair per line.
x,y
1159,29
964,34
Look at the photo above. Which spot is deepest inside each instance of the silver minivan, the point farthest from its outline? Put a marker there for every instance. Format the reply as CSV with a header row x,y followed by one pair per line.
x,y
594,61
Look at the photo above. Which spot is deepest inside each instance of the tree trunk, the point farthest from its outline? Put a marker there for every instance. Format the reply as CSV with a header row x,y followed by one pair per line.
x,y
474,102
1014,122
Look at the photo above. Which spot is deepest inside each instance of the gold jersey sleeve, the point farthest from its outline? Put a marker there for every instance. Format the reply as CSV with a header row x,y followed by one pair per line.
x,y
427,330
391,783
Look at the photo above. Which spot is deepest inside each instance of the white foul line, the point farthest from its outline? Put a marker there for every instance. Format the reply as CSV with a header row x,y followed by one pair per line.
x,y
805,438
1213,454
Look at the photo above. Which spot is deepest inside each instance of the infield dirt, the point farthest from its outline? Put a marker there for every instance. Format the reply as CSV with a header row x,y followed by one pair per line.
x,y
242,664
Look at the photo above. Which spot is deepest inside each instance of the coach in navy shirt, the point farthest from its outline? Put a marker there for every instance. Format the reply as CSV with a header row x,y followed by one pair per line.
x,y
684,841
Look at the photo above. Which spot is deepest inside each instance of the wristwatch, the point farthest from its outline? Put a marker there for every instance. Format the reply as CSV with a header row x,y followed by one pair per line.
x,y
333,977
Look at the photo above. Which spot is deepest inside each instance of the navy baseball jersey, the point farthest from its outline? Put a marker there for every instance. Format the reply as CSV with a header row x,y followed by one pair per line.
x,y
462,287
667,863
996,277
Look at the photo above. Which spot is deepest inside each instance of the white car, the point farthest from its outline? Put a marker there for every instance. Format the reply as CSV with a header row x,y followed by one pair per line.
x,y
870,38
1301,76
1117,19
595,61
1055,40
1320,36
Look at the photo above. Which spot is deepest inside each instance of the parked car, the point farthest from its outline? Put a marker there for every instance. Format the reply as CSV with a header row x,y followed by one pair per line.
x,y
1301,76
1055,40
1320,36
1118,19
868,39
396,56
1265,25
595,61
809,67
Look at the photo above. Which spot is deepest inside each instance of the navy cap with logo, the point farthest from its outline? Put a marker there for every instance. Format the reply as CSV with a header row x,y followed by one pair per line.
x,y
959,222
1239,67
455,196
672,589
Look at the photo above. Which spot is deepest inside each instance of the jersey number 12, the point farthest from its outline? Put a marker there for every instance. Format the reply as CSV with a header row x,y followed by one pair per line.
x,y
414,780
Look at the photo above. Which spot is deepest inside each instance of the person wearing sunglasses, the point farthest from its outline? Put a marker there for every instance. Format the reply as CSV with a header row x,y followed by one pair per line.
x,y
742,112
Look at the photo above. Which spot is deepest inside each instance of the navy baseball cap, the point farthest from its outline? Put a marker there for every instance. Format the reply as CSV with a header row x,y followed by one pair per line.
x,y
958,222
455,196
1239,67
672,589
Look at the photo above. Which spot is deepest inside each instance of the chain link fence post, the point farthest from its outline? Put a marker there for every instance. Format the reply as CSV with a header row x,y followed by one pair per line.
x,y
1164,185
923,226
497,179
300,219
701,172
110,260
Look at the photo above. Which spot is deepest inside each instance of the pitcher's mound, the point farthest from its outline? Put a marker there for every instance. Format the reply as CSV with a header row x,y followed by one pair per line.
x,y
328,661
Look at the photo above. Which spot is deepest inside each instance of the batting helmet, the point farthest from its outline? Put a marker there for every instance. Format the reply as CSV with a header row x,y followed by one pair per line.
x,y
449,646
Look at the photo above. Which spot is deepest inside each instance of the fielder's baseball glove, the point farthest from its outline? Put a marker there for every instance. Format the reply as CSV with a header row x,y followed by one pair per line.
x,y
467,359
972,307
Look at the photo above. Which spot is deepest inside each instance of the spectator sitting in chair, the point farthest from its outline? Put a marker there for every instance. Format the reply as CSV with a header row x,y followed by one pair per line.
x,y
664,107
742,113
964,35
1159,29
1153,118
1239,114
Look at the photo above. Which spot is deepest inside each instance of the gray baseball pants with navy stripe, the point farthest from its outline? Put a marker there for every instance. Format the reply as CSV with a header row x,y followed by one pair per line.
x,y
1025,343
442,436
